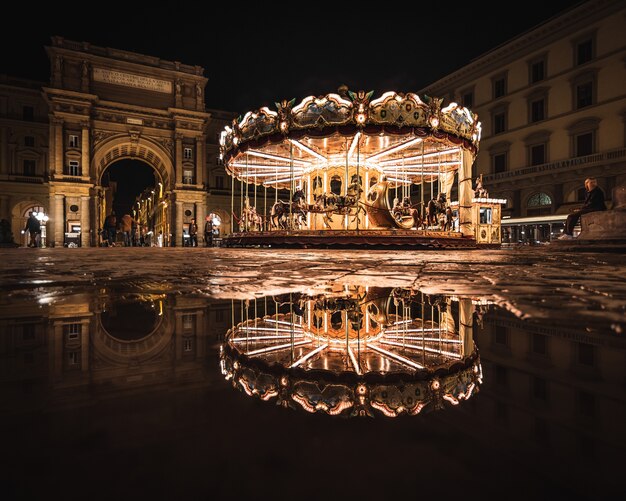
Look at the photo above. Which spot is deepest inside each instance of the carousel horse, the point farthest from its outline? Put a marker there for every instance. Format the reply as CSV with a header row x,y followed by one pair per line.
x,y
448,219
331,203
281,210
250,220
435,208
479,190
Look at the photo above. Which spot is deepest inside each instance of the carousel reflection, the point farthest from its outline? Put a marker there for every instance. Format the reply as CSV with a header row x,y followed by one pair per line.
x,y
355,351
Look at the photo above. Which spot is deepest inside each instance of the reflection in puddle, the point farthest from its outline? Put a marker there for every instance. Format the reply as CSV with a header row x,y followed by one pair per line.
x,y
355,351
552,397
132,317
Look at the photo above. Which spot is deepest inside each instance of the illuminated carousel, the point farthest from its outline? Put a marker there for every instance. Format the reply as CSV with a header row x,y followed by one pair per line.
x,y
355,352
346,169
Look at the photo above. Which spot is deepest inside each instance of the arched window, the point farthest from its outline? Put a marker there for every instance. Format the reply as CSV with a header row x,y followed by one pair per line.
x,y
539,204
335,185
336,320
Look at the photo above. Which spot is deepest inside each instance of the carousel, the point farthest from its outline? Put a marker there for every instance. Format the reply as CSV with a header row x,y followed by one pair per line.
x,y
355,351
348,169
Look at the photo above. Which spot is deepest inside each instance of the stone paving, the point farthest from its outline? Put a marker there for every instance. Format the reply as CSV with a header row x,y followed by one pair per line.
x,y
582,290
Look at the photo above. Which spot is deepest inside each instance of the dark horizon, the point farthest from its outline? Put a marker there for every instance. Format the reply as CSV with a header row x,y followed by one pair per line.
x,y
258,58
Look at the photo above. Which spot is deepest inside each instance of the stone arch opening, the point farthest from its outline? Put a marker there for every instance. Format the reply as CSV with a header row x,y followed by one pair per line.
x,y
19,216
134,177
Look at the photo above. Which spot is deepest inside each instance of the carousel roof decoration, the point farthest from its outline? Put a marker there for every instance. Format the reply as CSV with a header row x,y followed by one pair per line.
x,y
356,352
405,137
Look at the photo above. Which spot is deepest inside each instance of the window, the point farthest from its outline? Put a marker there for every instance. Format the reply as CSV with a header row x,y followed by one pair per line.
x,y
73,357
29,141
539,344
583,136
28,113
499,122
219,182
542,432
539,204
486,214
538,154
537,71
72,332
28,332
584,144
586,354
468,99
499,87
188,175
499,162
188,322
73,141
584,51
538,110
219,315
502,412
587,404
73,168
584,95
187,153
501,335
540,388
29,167
500,375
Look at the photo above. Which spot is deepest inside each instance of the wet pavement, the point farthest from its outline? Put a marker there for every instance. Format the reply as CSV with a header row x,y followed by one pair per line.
x,y
144,372
532,282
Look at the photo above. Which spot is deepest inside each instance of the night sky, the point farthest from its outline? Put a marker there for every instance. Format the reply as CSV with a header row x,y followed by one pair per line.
x,y
254,57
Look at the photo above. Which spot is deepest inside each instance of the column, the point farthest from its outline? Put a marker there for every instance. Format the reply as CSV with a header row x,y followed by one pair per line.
x,y
58,147
177,234
4,150
84,160
200,215
58,222
4,209
179,159
56,352
466,326
200,161
84,345
85,219
465,194
51,147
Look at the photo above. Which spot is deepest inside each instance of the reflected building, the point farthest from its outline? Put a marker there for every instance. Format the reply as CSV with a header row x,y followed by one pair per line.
x,y
553,388
99,343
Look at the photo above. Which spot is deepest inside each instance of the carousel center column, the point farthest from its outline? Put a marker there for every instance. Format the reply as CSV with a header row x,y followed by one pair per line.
x,y
465,194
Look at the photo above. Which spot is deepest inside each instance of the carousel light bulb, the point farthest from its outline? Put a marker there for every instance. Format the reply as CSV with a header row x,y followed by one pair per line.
x,y
434,121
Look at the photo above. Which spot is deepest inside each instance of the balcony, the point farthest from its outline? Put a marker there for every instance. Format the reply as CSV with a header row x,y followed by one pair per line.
x,y
560,165
18,178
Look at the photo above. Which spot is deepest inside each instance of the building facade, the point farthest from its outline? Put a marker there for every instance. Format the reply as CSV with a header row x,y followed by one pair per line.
x,y
103,105
552,102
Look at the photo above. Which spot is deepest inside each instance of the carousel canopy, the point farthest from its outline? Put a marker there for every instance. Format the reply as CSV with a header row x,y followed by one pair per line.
x,y
402,137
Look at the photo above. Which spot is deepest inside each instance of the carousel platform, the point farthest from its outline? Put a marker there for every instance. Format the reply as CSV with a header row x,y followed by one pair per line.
x,y
423,239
